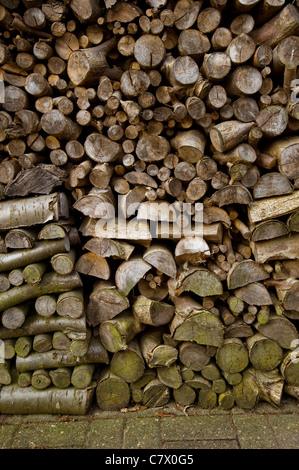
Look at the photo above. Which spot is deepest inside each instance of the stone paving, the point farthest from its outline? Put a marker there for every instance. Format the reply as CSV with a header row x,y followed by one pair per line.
x,y
170,427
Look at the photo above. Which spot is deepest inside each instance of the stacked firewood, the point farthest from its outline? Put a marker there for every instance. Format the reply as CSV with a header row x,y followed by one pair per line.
x,y
171,129
48,354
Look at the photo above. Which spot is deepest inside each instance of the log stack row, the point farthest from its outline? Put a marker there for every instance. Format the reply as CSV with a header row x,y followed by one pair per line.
x,y
171,131
48,354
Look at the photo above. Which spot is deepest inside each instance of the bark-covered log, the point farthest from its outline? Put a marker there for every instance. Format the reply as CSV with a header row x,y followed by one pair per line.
x,y
70,401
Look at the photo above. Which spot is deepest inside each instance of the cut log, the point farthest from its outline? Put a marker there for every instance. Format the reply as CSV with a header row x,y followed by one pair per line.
x,y
284,24
245,272
272,184
81,376
109,248
191,249
285,150
232,356
27,212
202,327
70,304
279,329
264,353
93,265
154,352
18,400
155,394
151,312
61,377
128,364
201,282
162,259
231,194
190,145
193,356
284,247
105,302
112,392
270,208
117,332
254,294
246,393
129,273
85,65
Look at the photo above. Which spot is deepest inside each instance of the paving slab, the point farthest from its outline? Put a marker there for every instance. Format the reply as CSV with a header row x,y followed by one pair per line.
x,y
51,435
197,428
254,432
286,430
7,433
105,434
211,444
142,433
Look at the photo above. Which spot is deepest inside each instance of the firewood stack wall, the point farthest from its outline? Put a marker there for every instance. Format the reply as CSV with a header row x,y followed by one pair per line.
x,y
149,212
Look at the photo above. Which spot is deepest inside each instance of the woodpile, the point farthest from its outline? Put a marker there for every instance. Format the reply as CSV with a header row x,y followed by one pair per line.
x,y
149,203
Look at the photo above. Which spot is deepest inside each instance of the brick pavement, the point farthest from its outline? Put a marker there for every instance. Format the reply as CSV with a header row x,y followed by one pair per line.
x,y
169,428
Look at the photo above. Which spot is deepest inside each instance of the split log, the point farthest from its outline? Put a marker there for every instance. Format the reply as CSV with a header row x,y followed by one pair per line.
x,y
129,273
117,332
201,282
154,352
105,302
151,312
254,294
245,272
279,329
155,394
202,327
162,259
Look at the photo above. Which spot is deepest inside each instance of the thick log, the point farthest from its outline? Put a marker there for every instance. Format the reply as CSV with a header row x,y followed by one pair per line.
x,y
27,212
112,392
18,400
264,353
285,23
128,364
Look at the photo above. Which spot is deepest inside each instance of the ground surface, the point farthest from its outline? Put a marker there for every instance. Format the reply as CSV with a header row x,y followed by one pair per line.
x,y
169,428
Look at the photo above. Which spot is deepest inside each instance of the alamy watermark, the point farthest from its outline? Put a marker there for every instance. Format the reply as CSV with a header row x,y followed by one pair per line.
x,y
157,219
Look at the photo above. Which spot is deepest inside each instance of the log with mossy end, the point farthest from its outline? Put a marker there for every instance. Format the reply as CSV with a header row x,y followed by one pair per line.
x,y
112,392
82,375
61,377
129,363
